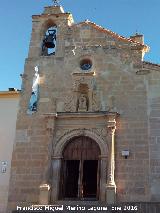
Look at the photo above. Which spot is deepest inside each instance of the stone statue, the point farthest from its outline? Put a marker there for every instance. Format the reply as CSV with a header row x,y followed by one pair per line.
x,y
34,94
82,103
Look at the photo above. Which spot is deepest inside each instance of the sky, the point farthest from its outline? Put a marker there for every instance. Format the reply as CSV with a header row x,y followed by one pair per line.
x,y
125,17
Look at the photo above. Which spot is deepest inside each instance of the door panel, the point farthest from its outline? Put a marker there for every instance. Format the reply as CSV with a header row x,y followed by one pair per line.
x,y
71,178
81,148
80,176
90,178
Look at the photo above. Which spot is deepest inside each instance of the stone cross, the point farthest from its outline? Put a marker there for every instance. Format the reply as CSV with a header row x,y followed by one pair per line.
x,y
56,2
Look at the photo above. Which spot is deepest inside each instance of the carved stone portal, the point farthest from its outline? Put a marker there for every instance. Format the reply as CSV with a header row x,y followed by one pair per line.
x,y
107,187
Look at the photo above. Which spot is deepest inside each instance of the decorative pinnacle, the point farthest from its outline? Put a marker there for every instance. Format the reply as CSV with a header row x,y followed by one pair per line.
x,y
56,2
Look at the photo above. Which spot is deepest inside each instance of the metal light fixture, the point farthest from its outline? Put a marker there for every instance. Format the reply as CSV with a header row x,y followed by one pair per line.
x,y
125,153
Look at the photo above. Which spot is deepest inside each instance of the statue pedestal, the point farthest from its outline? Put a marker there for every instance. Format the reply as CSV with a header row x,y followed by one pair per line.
x,y
111,194
44,195
82,110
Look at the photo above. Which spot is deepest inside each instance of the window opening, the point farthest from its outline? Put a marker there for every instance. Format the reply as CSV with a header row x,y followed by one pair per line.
x,y
86,64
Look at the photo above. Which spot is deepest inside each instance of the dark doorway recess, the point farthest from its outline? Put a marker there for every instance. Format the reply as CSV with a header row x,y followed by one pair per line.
x,y
71,178
90,178
80,170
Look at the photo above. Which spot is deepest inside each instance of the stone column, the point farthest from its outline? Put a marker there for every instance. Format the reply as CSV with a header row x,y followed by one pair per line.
x,y
111,186
56,172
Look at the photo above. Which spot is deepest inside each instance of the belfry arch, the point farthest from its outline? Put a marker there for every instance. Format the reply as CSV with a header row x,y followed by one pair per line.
x,y
63,162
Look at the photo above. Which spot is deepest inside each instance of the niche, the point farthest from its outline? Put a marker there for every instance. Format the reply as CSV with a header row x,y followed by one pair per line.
x,y
82,98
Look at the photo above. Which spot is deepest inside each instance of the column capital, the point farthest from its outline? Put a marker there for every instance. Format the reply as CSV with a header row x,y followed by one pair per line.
x,y
111,128
111,121
56,157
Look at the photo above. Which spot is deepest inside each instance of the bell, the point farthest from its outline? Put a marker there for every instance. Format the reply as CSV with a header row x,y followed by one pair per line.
x,y
49,39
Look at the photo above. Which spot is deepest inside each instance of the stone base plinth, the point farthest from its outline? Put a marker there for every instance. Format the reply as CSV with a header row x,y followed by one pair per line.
x,y
110,194
44,196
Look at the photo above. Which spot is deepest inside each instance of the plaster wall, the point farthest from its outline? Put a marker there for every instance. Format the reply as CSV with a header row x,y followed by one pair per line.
x,y
8,116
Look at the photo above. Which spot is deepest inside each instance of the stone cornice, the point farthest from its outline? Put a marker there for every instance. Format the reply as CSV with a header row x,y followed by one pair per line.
x,y
83,74
51,15
111,115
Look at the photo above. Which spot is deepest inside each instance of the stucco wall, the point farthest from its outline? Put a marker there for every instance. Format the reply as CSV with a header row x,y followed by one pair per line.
x,y
8,114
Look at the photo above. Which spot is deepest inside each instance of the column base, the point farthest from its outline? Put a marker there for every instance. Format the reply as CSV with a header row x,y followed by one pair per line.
x,y
111,194
44,195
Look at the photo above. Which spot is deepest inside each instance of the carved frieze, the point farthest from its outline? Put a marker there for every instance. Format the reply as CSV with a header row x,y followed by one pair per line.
x,y
83,78
111,104
101,132
96,104
70,103
61,133
83,88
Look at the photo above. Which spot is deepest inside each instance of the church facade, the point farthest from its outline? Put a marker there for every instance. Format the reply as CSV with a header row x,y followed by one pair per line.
x,y
88,120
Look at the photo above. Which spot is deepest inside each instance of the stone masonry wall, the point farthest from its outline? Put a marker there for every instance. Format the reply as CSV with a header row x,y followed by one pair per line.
x,y
29,161
153,87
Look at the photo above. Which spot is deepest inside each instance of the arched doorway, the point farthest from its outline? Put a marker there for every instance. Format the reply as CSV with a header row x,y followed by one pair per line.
x,y
80,169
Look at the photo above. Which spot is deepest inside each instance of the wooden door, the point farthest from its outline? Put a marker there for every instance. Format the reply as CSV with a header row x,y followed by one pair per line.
x,y
81,148
80,173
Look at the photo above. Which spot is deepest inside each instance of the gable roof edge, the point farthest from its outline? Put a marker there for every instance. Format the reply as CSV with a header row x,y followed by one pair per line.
x,y
147,64
145,48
